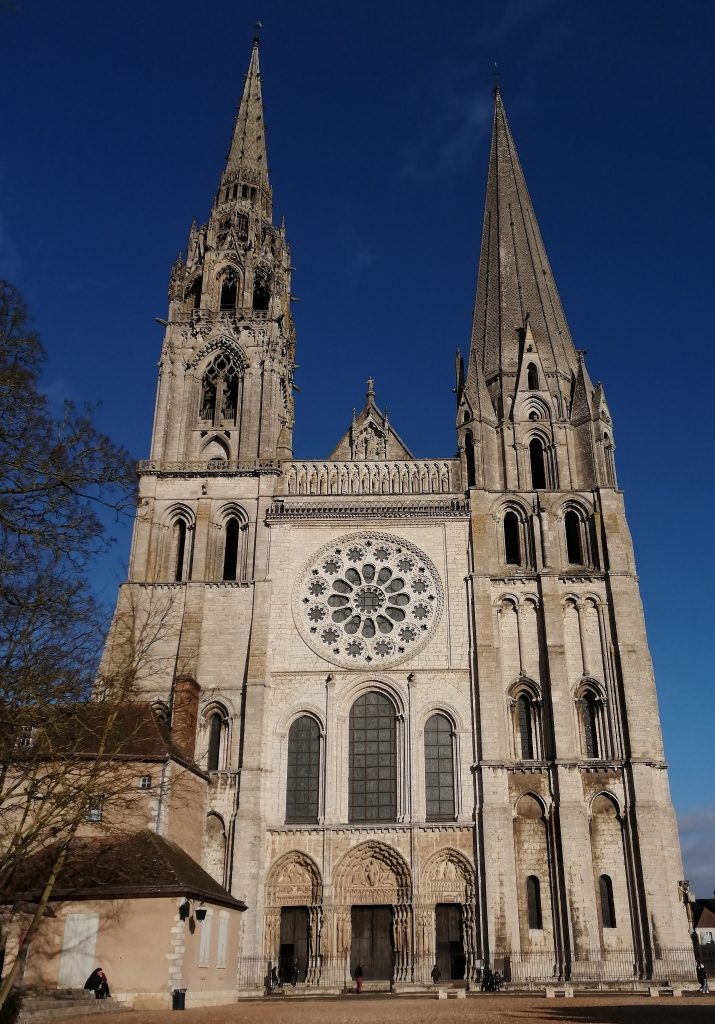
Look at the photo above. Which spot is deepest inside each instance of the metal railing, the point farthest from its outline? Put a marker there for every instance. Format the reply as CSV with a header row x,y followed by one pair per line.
x,y
594,966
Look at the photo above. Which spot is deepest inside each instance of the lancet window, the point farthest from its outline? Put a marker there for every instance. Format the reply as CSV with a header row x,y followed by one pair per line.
x,y
527,723
229,292
216,739
303,777
261,291
220,390
608,910
532,377
179,559
439,769
372,782
537,461
589,718
533,902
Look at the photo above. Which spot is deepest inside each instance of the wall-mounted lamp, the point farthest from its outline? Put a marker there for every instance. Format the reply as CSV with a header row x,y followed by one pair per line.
x,y
184,910
200,913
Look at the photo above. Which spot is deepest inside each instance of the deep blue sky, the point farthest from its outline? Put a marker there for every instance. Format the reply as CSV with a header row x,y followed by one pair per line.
x,y
116,119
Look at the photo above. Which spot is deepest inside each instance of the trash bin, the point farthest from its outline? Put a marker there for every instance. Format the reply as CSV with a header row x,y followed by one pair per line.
x,y
178,999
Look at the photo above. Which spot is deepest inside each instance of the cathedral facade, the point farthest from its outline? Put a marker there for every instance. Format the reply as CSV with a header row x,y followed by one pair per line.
x,y
425,699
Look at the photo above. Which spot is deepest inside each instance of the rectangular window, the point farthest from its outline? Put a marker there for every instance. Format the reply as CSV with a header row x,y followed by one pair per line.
x,y
95,809
145,782
205,940
222,942
25,736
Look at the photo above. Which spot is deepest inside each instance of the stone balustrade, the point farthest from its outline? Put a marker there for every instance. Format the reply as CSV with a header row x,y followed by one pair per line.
x,y
423,476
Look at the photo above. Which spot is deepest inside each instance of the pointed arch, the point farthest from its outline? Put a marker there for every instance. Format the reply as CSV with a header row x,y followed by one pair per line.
x,y
180,549
515,542
527,725
537,462
303,771
532,377
222,389
214,737
440,768
231,559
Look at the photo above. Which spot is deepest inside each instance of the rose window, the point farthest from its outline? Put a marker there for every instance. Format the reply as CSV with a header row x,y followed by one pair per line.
x,y
368,598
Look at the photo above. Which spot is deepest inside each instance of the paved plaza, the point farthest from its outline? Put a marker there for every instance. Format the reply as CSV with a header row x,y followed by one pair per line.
x,y
477,1009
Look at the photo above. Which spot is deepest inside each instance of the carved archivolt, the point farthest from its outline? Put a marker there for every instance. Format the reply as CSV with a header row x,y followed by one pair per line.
x,y
448,877
372,873
294,881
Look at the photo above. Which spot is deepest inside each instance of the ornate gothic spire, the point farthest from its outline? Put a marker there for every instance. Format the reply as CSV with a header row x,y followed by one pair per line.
x,y
515,282
247,157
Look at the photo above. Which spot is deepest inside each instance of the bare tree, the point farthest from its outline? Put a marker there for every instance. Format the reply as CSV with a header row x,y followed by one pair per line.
x,y
62,728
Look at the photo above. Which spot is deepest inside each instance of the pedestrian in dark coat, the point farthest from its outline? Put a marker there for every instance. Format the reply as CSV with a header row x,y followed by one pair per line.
x,y
358,977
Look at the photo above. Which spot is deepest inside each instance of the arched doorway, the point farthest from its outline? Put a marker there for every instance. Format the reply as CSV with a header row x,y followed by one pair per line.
x,y
374,913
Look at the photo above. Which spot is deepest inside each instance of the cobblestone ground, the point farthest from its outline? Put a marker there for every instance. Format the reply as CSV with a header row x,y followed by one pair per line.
x,y
479,1009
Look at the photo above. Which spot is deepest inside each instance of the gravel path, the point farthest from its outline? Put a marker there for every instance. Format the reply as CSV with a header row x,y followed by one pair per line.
x,y
480,1009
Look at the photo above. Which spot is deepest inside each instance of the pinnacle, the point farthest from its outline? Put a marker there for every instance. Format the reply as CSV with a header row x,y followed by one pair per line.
x,y
515,280
248,146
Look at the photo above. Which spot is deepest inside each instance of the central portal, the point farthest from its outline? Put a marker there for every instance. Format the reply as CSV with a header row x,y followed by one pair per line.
x,y
372,942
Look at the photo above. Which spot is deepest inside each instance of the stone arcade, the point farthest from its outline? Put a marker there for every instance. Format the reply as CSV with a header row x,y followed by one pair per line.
x,y
427,706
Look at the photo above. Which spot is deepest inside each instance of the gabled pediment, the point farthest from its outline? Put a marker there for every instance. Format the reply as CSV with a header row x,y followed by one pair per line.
x,y
370,437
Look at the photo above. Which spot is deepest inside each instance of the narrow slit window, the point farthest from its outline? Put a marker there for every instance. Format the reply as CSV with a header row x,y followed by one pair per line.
x,y
538,465
574,547
608,911
533,901
180,547
532,377
215,730
512,545
590,730
230,556
526,732
469,454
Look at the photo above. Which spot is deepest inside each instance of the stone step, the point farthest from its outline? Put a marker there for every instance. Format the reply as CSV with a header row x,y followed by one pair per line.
x,y
58,1009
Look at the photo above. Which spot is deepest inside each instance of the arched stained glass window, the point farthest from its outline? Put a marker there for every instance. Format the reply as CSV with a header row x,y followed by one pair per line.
x,y
303,779
439,769
533,902
372,782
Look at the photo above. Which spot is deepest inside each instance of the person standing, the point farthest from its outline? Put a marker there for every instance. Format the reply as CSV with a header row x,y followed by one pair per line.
x,y
702,976
358,977
436,975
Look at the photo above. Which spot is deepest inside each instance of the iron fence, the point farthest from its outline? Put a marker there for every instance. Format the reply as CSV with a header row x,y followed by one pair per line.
x,y
594,966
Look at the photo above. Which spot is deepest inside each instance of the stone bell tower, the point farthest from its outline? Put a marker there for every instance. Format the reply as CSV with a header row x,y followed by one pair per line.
x,y
230,299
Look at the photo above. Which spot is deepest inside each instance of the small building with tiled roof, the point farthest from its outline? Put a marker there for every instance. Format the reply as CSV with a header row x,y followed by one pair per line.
x,y
140,907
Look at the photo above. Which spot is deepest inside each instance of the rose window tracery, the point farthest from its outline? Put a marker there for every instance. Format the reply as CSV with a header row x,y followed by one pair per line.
x,y
367,599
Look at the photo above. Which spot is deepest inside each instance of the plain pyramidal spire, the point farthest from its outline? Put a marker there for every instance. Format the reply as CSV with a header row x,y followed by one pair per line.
x,y
248,156
515,284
